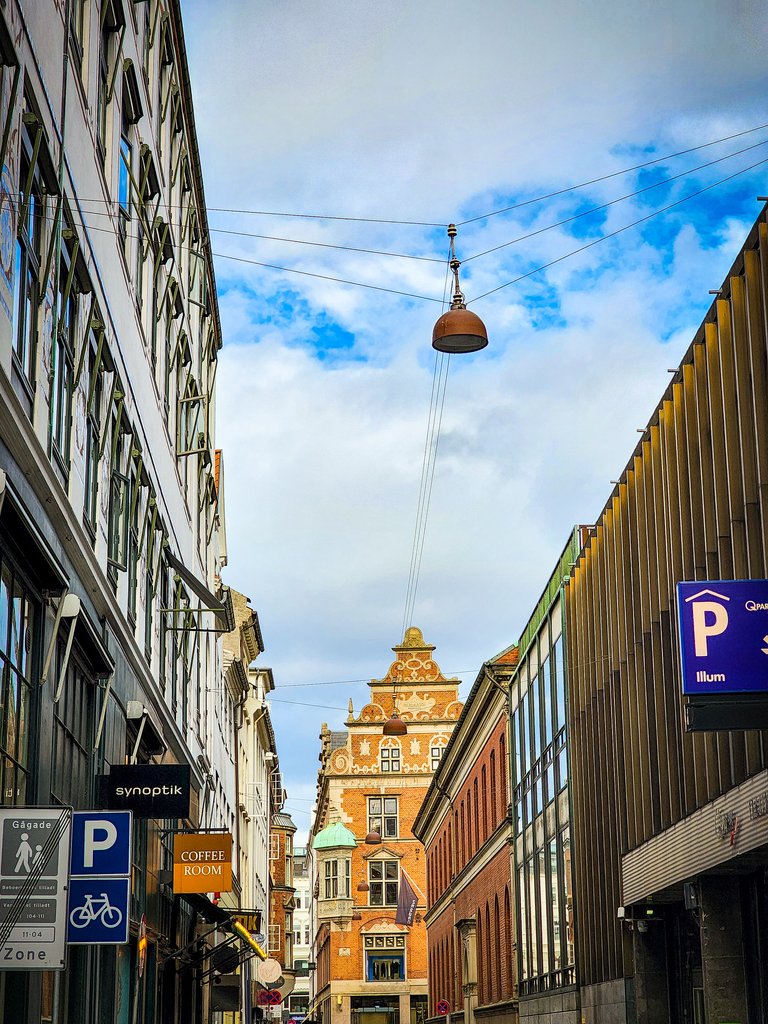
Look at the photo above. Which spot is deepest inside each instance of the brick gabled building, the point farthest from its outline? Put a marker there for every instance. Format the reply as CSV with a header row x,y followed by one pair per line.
x,y
466,830
370,787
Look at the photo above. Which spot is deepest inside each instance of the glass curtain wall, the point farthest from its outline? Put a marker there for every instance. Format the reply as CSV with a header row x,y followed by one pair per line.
x,y
542,820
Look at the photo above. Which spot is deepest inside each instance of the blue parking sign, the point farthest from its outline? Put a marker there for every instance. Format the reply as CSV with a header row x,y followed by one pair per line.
x,y
98,911
101,843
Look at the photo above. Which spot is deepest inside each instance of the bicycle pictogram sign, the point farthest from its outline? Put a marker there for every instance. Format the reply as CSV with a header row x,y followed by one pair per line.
x,y
94,909
98,910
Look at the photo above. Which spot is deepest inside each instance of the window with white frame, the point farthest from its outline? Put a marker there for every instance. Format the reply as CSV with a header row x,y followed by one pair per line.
x,y
274,846
274,938
436,750
337,879
384,882
382,816
389,756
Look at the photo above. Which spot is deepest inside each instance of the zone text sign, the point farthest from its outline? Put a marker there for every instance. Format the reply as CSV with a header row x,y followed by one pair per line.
x,y
34,857
202,862
723,636
149,790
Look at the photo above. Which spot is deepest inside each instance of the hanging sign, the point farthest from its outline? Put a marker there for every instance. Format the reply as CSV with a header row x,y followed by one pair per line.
x,y
202,862
723,636
149,790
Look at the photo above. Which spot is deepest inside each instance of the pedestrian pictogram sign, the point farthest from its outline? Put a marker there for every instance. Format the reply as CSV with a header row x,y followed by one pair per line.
x,y
34,856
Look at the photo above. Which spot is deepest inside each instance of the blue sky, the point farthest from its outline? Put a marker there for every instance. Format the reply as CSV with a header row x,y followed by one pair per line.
x,y
433,112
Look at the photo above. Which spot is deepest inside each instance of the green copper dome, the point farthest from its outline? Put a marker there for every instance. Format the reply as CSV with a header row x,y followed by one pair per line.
x,y
334,836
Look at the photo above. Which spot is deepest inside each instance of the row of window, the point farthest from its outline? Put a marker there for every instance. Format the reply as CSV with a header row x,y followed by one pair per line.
x,y
390,755
479,809
383,881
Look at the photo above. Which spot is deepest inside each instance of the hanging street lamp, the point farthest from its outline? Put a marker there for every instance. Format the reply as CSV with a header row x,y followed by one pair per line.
x,y
458,330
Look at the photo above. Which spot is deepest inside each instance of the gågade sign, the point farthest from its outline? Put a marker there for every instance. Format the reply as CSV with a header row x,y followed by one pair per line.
x,y
34,857
723,636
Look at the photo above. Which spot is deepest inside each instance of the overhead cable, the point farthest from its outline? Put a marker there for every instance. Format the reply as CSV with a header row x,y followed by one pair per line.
x,y
618,231
606,177
470,220
613,202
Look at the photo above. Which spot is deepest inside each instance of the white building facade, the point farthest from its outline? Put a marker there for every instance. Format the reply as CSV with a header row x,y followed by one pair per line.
x,y
109,491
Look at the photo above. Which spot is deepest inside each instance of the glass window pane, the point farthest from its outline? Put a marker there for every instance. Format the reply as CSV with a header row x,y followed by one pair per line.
x,y
5,601
556,908
524,945
535,717
541,881
559,683
562,761
546,680
567,899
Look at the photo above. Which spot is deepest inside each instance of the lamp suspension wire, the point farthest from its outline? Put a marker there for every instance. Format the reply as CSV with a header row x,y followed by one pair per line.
x,y
429,460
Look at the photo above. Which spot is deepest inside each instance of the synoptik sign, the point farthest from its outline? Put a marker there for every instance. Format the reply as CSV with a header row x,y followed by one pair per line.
x,y
723,636
149,790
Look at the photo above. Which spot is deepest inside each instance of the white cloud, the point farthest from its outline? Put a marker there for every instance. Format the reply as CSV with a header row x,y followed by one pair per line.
x,y
433,111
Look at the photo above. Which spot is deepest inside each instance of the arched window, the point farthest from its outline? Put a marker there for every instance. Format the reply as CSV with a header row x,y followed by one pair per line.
x,y
503,770
484,788
509,967
487,956
477,816
480,957
499,988
462,835
494,819
470,845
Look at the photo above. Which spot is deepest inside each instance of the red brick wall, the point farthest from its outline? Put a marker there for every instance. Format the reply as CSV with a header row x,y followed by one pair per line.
x,y
478,808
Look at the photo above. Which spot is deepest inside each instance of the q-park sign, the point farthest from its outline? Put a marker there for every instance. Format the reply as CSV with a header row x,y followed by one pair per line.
x,y
34,857
723,636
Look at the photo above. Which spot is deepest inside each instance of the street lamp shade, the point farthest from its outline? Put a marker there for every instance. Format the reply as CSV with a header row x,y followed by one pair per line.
x,y
363,886
458,331
373,838
395,726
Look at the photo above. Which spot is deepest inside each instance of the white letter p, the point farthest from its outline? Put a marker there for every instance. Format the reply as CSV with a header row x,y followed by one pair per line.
x,y
703,629
91,843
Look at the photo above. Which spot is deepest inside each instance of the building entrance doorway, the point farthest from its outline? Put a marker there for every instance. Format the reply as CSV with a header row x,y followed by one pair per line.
x,y
375,1009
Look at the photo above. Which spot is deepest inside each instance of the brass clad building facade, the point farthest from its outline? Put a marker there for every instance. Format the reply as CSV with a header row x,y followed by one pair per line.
x,y
674,928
